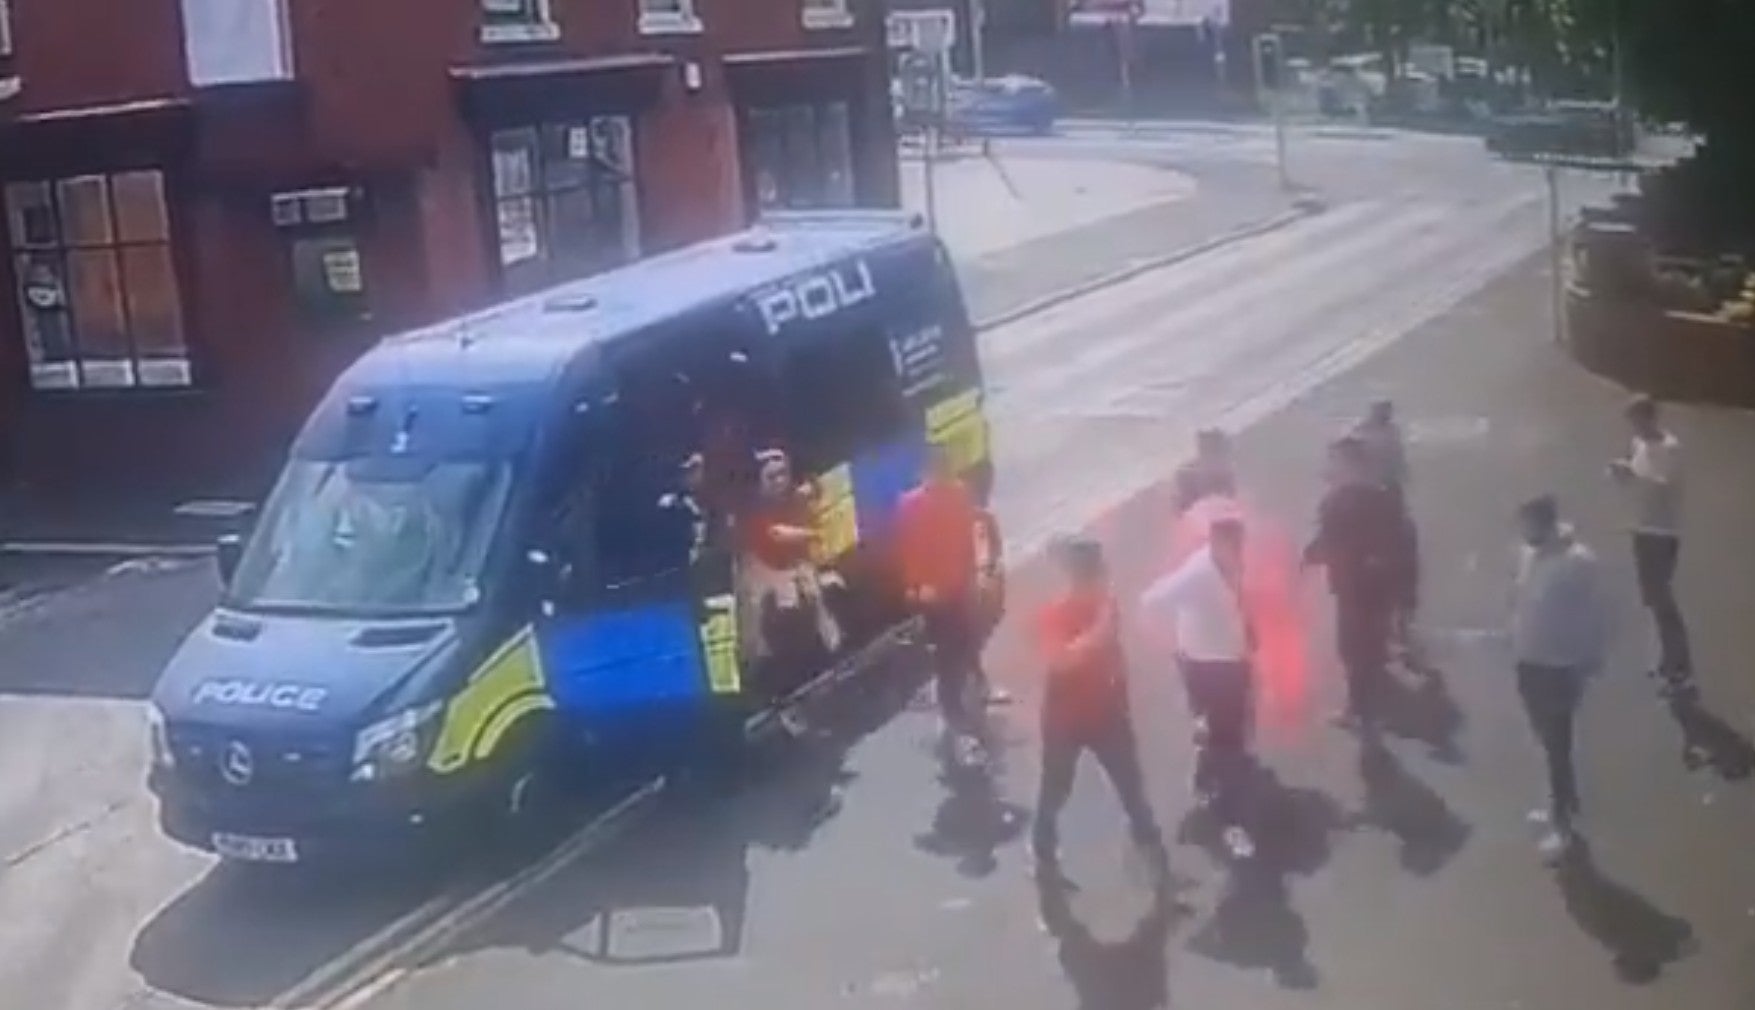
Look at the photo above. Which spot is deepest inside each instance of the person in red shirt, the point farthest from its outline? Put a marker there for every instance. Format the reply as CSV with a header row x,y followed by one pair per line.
x,y
1085,705
935,528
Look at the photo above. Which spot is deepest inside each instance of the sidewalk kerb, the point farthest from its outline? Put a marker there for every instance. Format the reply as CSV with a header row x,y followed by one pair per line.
x,y
1056,298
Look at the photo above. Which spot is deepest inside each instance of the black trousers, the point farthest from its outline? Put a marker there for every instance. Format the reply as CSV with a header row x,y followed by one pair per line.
x,y
1550,697
1363,620
1111,741
953,631
1221,695
1654,559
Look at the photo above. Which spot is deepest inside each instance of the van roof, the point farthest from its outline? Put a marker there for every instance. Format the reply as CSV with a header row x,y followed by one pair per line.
x,y
530,337
524,345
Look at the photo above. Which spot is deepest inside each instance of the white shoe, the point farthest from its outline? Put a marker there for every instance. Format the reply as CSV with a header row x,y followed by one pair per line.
x,y
1556,845
1239,844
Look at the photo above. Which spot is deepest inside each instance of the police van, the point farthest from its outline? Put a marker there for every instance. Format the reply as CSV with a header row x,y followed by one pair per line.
x,y
473,570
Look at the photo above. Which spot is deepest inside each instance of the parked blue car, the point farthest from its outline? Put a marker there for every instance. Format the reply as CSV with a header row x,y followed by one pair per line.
x,y
1003,105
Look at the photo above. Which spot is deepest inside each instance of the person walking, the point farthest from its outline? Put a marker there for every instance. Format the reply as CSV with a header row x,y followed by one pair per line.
x,y
1358,539
936,530
1215,645
1651,474
1559,636
1085,705
1386,459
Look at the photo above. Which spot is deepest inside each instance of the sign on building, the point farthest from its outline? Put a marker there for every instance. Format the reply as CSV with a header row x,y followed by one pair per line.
x,y
932,32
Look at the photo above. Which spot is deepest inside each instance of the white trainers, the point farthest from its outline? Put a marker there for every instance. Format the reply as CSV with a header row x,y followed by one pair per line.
x,y
1556,845
1239,844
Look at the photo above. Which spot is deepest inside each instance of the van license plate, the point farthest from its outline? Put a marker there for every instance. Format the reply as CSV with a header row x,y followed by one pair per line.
x,y
249,849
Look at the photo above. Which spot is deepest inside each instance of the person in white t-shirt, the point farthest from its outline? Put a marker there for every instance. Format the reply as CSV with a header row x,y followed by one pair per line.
x,y
1652,476
1215,645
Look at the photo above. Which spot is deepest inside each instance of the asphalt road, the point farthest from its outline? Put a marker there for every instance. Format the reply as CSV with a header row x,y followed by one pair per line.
x,y
1090,400
850,876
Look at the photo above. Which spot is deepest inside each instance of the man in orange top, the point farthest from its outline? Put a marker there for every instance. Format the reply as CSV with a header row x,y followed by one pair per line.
x,y
1085,706
935,529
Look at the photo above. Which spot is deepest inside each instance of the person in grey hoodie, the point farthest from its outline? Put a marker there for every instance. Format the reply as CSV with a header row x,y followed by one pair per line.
x,y
1559,633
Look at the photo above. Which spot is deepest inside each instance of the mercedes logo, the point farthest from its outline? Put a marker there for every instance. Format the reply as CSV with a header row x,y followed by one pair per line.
x,y
236,764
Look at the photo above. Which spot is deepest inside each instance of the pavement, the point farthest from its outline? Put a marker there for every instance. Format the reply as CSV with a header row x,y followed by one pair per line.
x,y
850,877
1091,400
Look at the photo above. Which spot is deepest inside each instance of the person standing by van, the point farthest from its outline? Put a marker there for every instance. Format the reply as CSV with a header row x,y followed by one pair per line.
x,y
1212,472
1651,473
1085,705
1386,457
935,529
1358,539
1559,636
990,586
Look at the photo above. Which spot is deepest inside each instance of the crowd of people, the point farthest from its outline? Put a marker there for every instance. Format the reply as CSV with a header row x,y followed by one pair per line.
x,y
1366,539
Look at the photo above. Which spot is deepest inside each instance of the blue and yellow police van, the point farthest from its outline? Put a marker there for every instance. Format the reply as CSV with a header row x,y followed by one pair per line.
x,y
472,571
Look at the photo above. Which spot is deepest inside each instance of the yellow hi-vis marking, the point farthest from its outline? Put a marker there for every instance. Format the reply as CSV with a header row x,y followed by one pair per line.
x,y
504,689
719,645
958,424
836,515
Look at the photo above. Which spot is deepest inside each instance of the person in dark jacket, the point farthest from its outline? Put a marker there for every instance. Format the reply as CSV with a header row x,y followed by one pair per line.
x,y
1359,540
1211,472
1387,461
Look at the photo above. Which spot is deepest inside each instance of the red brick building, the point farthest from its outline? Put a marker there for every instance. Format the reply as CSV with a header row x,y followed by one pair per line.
x,y
210,206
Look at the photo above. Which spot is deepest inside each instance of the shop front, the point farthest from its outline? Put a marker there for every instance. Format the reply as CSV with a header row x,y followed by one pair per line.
x,y
558,181
810,135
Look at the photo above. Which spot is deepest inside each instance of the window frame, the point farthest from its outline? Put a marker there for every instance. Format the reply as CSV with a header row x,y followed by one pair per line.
x,y
533,21
182,367
6,42
826,15
600,183
684,20
757,127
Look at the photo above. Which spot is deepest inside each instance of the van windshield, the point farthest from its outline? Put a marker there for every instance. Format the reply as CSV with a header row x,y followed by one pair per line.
x,y
338,538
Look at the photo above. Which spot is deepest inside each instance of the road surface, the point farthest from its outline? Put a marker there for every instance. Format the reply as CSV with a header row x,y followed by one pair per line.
x,y
1090,401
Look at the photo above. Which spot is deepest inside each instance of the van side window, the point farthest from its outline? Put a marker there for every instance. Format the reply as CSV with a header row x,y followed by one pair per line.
x,y
842,397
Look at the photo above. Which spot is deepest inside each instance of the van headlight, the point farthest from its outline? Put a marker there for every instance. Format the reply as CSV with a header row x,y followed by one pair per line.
x,y
159,738
395,744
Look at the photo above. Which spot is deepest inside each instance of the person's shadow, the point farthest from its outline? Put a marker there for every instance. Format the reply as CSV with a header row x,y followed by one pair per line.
x,y
1254,924
1424,711
1396,801
973,822
1642,940
1710,742
1132,973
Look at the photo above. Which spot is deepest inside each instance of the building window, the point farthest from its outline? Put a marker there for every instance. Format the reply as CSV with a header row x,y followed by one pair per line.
x,y
665,16
827,14
800,156
97,285
5,28
518,21
564,197
328,273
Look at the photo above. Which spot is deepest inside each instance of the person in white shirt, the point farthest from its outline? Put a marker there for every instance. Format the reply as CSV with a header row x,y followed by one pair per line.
x,y
1203,598
1652,476
1559,637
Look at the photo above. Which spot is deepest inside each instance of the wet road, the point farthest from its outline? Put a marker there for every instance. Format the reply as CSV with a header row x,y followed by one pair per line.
x,y
839,896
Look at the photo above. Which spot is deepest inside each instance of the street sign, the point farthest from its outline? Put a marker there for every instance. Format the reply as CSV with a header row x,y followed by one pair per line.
x,y
930,31
1269,62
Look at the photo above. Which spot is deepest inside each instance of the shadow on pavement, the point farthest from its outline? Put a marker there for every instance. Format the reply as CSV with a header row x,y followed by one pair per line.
x,y
107,633
240,938
1132,973
1396,801
1424,711
973,823
1254,924
1642,940
676,888
1710,742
